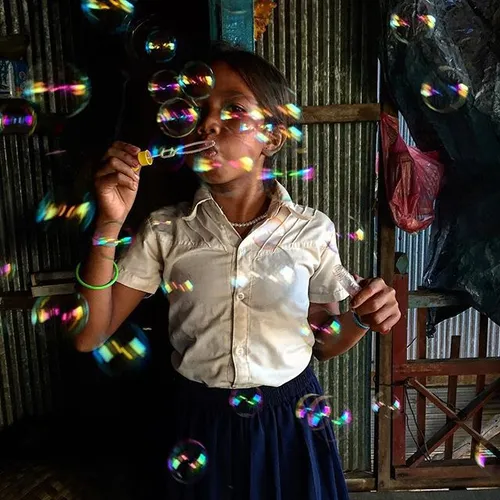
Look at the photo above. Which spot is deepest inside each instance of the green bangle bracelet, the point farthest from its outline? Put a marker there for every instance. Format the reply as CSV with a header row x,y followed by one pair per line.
x,y
101,287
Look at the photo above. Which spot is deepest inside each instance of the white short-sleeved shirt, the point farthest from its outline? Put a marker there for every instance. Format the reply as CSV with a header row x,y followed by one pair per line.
x,y
238,308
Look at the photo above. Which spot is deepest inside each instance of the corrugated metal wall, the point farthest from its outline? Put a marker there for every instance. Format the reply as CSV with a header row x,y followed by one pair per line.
x,y
327,52
466,324
29,356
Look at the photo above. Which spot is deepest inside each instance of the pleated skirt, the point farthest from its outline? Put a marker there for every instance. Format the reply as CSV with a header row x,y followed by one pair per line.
x,y
270,455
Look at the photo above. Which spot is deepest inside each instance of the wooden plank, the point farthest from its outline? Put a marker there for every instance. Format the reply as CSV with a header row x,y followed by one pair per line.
x,y
481,379
16,300
360,484
462,450
452,469
423,483
421,354
399,356
340,113
469,366
452,393
447,429
426,299
436,401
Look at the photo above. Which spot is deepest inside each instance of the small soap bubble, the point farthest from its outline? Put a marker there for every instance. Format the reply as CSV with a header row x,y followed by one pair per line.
x,y
169,287
201,164
411,20
161,46
127,351
67,95
444,91
315,409
388,410
164,86
293,133
344,419
245,163
17,117
237,120
110,15
188,461
82,213
177,117
246,402
197,80
480,458
70,312
7,271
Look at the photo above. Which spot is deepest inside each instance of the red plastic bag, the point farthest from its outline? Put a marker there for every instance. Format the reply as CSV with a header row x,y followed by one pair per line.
x,y
412,179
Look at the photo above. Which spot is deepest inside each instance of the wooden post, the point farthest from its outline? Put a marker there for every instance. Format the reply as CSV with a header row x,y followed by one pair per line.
x,y
480,379
452,393
421,354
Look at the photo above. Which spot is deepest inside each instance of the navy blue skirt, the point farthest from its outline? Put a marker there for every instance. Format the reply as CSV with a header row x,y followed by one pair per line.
x,y
272,455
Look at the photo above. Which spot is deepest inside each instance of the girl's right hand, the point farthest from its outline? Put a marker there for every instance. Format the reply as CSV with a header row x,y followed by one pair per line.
x,y
117,181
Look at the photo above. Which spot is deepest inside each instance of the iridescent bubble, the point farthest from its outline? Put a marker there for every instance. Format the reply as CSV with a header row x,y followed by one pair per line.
x,y
164,86
246,402
480,458
245,163
411,20
188,461
344,419
161,46
444,91
197,80
127,351
110,15
177,117
67,95
17,117
169,287
70,312
387,409
237,120
315,409
7,271
82,213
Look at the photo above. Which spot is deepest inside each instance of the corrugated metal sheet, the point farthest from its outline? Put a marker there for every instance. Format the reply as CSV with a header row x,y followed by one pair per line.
x,y
327,52
28,357
466,324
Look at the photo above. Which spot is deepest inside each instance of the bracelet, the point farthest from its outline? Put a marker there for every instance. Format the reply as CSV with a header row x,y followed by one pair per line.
x,y
100,287
359,323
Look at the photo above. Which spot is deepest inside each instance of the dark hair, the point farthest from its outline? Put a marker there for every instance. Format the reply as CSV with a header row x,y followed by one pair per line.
x,y
266,82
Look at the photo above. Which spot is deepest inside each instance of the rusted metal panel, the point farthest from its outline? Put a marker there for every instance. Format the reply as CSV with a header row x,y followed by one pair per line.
x,y
328,54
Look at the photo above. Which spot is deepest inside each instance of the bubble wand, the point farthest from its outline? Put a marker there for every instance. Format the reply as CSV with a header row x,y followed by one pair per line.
x,y
146,158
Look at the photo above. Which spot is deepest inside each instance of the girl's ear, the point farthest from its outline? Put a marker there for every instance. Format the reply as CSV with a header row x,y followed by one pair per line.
x,y
276,138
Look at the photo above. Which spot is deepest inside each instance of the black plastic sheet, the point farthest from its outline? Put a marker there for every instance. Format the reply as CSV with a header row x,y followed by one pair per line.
x,y
449,51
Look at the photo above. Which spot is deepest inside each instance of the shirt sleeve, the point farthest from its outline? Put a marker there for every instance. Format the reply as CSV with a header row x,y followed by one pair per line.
x,y
141,266
323,287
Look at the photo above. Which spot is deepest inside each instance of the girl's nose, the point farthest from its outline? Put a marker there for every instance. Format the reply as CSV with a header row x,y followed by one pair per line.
x,y
209,125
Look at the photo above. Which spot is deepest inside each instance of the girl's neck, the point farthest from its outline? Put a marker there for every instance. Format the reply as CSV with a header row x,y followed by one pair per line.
x,y
241,202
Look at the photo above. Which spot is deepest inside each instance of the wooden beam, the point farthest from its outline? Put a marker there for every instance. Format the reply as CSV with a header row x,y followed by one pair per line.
x,y
481,379
426,299
448,469
462,450
423,483
428,367
436,401
340,113
451,400
450,427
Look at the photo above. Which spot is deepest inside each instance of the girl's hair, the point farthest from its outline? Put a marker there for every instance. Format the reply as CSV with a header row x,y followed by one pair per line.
x,y
267,83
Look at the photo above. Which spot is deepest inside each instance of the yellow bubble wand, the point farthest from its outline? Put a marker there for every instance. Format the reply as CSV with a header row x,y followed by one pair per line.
x,y
145,157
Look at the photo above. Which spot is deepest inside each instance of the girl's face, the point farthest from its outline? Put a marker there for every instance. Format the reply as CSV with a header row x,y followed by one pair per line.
x,y
238,152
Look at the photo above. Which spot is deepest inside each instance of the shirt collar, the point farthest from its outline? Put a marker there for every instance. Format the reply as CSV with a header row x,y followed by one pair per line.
x,y
279,198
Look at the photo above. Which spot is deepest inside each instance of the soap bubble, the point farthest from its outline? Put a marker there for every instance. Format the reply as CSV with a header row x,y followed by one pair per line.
x,y
17,117
110,15
161,46
480,458
246,402
197,80
177,117
238,121
67,95
444,91
188,461
386,408
315,409
164,86
127,351
411,20
70,312
7,271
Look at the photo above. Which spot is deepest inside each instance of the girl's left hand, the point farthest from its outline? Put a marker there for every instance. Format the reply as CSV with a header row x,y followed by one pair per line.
x,y
376,305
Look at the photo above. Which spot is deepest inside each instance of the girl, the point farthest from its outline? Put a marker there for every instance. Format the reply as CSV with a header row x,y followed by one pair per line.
x,y
261,268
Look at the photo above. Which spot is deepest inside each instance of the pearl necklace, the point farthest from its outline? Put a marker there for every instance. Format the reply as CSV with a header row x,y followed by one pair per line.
x,y
249,223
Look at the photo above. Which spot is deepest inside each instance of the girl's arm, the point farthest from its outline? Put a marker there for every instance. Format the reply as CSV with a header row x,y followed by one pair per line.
x,y
335,340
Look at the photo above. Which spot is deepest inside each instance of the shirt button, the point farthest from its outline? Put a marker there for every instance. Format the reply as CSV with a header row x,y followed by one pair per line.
x,y
240,296
240,351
